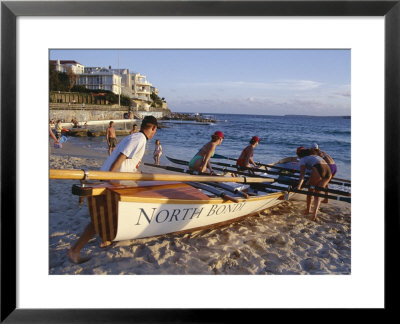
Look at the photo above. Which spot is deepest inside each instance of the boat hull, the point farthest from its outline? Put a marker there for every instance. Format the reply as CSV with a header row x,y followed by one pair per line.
x,y
119,216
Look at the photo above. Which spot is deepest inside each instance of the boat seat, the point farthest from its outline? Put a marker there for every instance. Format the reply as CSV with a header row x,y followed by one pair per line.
x,y
168,191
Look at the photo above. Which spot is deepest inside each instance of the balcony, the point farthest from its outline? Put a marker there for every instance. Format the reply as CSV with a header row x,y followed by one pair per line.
x,y
143,91
146,98
143,82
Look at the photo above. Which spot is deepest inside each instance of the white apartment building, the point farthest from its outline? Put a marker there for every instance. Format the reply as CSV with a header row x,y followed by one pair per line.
x,y
126,81
119,81
141,91
141,87
154,90
64,66
96,78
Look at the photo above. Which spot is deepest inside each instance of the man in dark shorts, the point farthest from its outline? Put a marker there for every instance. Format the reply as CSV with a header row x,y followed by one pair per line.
x,y
111,138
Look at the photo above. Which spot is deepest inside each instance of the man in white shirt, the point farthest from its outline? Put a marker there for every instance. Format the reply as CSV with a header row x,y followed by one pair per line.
x,y
129,152
125,158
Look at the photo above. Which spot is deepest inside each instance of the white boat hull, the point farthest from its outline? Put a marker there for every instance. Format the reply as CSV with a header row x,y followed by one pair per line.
x,y
138,220
118,215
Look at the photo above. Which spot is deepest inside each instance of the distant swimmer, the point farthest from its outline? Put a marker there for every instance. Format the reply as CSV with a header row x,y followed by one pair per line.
x,y
320,175
201,161
246,157
111,138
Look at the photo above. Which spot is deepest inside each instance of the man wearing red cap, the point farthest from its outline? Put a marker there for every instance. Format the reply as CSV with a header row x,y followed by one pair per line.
x,y
246,158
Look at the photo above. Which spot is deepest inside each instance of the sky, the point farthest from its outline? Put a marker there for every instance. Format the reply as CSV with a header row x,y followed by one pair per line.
x,y
238,81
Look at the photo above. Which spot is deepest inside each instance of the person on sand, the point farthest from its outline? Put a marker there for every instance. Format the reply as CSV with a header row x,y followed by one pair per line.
x,y
201,161
58,129
328,159
320,176
246,157
111,138
125,158
75,123
134,129
157,152
52,135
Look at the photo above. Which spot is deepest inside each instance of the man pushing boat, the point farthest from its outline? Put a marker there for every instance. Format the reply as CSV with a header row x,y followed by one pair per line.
x,y
125,158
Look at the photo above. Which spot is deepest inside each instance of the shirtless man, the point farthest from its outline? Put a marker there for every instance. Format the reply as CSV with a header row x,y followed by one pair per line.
x,y
111,138
134,129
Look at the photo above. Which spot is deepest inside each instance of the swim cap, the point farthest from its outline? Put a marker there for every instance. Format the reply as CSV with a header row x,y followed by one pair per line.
x,y
299,149
255,139
315,146
219,134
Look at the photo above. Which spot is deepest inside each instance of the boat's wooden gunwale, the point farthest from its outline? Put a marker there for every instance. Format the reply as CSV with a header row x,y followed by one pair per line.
x,y
101,188
212,200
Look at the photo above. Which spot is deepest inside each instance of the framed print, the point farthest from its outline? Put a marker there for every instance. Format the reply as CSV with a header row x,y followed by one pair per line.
x,y
29,294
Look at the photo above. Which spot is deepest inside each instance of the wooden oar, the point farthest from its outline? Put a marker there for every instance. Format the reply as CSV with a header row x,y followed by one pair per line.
x,y
107,175
262,186
218,156
214,191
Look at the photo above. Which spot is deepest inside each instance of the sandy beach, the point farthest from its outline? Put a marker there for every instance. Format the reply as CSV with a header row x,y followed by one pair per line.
x,y
280,240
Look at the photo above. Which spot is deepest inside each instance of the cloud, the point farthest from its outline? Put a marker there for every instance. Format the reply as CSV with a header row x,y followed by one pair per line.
x,y
292,85
309,105
332,100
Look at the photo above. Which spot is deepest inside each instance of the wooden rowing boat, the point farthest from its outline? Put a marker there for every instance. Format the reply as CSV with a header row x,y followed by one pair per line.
x,y
137,209
143,209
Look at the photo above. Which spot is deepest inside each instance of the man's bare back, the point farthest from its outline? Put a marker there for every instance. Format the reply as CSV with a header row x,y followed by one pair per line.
x,y
111,138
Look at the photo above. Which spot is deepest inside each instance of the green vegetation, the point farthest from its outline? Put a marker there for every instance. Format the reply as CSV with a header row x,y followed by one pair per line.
x,y
65,82
157,101
58,81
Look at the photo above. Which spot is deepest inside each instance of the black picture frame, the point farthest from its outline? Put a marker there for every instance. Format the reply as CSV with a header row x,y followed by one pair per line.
x,y
10,10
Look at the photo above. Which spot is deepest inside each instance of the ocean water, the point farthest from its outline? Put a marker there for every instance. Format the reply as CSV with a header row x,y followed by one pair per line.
x,y
279,138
